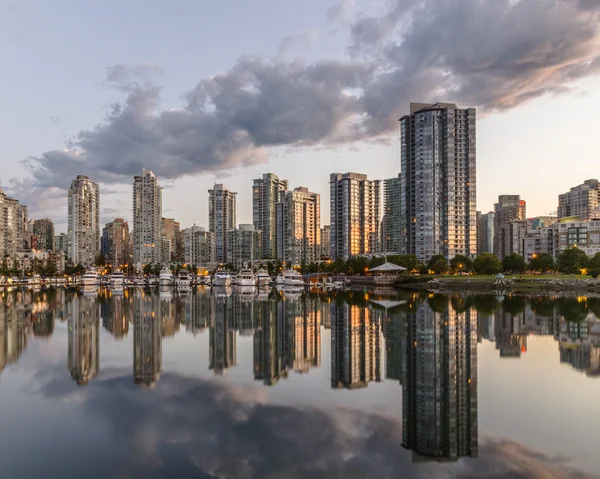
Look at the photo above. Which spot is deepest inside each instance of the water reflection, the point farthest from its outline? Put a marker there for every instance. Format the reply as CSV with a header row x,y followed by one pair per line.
x,y
147,325
84,339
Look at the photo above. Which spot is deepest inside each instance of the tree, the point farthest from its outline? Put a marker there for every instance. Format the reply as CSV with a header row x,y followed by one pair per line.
x,y
572,261
514,263
487,263
147,269
542,262
438,264
100,260
461,264
157,269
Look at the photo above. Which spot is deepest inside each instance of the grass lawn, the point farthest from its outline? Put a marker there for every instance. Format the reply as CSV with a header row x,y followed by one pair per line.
x,y
524,277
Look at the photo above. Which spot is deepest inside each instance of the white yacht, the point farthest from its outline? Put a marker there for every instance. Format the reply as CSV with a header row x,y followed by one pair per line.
x,y
183,279
166,278
263,277
35,280
280,279
246,278
222,278
234,279
292,278
205,280
91,278
117,278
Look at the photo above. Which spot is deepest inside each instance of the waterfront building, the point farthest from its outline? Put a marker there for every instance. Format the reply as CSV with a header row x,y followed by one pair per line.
x,y
438,181
582,200
391,225
439,382
84,339
43,229
298,226
243,245
61,243
267,192
355,214
355,346
485,232
171,231
510,225
26,260
584,235
10,225
221,217
147,219
325,251
115,243
83,221
199,247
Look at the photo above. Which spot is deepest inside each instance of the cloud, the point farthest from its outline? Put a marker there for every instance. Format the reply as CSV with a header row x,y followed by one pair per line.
x,y
221,430
306,38
340,10
490,54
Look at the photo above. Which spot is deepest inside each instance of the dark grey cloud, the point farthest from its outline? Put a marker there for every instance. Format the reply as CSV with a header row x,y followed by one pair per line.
x,y
490,54
186,427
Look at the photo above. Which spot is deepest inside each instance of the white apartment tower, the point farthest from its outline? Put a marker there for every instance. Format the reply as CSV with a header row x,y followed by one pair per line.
x,y
299,227
266,193
147,219
83,221
221,217
355,214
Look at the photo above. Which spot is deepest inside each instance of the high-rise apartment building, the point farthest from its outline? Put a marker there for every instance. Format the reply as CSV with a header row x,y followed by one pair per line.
x,y
115,243
221,217
439,383
508,236
582,200
84,221
43,229
266,193
171,232
61,243
243,246
438,181
298,226
355,214
485,232
147,219
325,251
355,346
10,226
199,247
391,229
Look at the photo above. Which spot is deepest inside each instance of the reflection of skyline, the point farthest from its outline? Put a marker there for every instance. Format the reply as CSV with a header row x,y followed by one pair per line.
x,y
269,358
147,353
115,315
439,383
84,339
355,346
579,345
222,336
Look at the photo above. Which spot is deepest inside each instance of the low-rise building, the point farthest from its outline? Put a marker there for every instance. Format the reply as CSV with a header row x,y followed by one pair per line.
x,y
584,235
538,241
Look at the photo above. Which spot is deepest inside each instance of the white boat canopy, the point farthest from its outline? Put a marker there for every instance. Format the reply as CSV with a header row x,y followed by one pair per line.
x,y
387,267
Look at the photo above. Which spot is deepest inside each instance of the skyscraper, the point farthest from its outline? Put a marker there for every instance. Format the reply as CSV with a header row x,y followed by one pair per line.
x,y
44,230
485,233
10,237
439,381
221,217
147,219
84,221
582,200
355,214
299,226
266,193
510,224
171,231
391,233
115,243
438,181
61,243
325,250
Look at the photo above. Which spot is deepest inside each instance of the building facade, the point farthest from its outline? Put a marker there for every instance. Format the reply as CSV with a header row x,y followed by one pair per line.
x,y
438,181
391,229
267,192
221,217
485,233
243,245
355,214
538,241
508,210
83,221
584,235
61,243
115,243
298,226
147,219
171,232
199,247
582,200
43,229
325,242
10,226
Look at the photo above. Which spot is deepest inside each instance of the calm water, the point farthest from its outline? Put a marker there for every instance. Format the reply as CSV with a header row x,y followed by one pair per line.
x,y
215,384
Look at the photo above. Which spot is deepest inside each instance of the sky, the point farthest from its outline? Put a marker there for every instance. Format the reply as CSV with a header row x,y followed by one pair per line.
x,y
205,92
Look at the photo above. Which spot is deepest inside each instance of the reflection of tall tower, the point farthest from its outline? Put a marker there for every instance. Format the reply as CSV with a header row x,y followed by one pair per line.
x,y
439,384
392,331
303,326
222,339
84,339
147,354
199,312
355,347
510,340
269,348
114,313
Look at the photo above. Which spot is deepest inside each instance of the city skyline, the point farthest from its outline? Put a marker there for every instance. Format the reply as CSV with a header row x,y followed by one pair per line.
x,y
89,120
